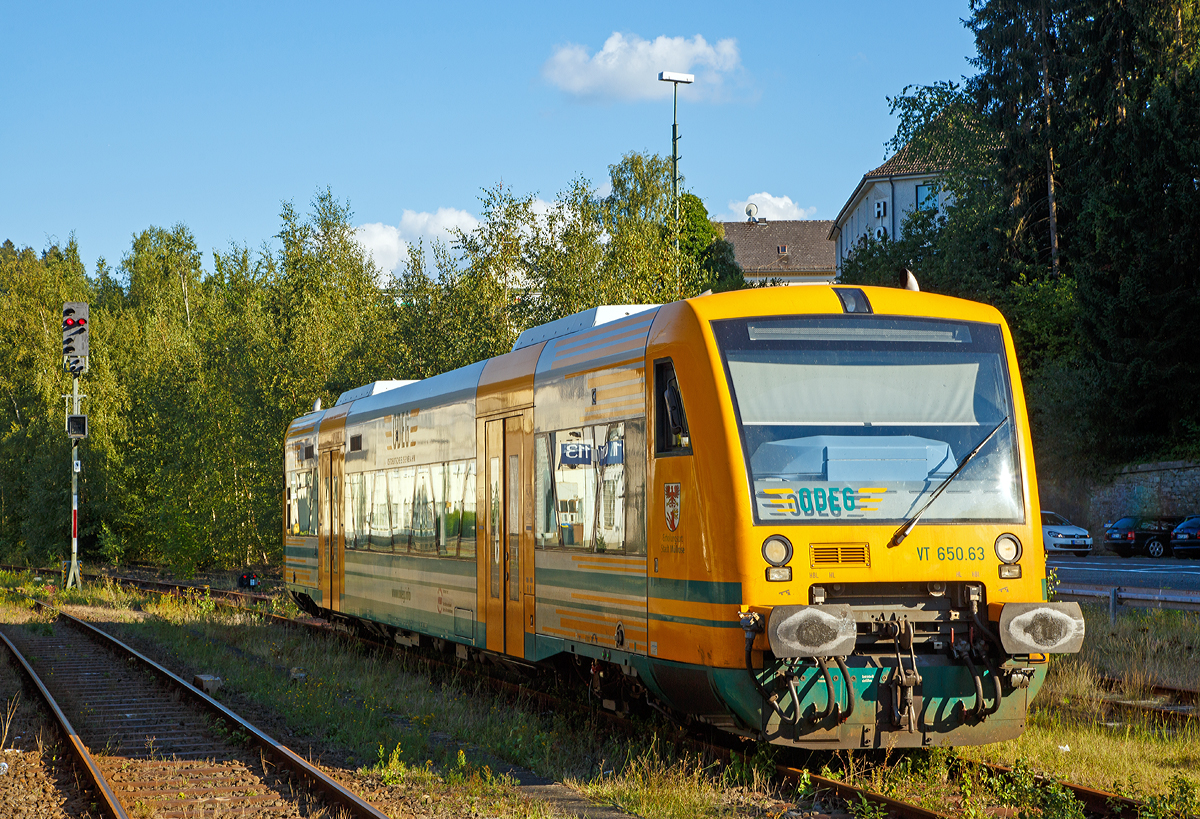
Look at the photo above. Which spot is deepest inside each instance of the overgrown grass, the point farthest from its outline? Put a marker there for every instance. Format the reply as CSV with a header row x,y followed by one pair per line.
x,y
1144,646
1072,737
470,786
395,725
389,720
1092,751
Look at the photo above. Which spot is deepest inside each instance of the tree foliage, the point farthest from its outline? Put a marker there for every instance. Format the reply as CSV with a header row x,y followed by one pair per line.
x,y
1094,106
196,371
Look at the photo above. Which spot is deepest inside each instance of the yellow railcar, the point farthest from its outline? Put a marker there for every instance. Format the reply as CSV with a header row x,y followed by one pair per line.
x,y
802,514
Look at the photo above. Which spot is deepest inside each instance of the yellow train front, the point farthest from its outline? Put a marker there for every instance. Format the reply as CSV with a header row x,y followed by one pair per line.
x,y
722,504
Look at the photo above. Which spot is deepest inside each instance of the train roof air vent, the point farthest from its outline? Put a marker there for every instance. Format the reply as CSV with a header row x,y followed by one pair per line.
x,y
853,300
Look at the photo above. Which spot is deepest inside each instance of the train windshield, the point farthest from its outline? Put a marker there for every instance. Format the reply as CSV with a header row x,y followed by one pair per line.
x,y
860,418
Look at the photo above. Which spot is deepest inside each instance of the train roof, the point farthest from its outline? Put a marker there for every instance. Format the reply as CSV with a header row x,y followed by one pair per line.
x,y
448,387
578,322
374,388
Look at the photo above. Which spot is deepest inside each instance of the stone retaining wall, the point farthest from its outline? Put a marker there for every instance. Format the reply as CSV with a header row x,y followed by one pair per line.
x,y
1170,488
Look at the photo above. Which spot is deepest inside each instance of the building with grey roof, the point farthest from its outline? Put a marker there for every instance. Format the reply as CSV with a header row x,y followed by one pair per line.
x,y
794,251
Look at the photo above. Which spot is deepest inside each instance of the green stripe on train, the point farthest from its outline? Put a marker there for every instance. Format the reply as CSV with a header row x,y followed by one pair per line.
x,y
689,591
631,585
696,591
695,621
633,609
407,580
464,567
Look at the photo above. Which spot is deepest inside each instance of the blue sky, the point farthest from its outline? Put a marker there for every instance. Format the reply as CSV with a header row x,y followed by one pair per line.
x,y
121,116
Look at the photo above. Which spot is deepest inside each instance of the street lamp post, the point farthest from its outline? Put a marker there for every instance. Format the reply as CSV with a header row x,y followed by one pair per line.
x,y
675,78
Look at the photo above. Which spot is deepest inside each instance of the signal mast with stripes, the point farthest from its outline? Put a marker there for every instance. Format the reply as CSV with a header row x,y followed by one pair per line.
x,y
75,328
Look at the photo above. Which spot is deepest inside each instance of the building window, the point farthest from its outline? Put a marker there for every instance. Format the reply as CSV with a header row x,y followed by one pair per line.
x,y
782,249
927,196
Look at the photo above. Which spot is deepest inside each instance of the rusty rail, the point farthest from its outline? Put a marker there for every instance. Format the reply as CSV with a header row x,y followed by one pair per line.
x,y
332,790
1099,802
108,800
153,585
849,792
1095,801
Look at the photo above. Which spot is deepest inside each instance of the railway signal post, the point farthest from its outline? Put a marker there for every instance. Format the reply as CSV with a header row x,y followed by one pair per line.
x,y
75,328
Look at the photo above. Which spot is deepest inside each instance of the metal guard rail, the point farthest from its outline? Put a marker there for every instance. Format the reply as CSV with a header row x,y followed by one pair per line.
x,y
1179,599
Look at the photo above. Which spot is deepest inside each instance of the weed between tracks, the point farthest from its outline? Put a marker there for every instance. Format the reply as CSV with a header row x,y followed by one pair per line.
x,y
438,743
442,744
1072,737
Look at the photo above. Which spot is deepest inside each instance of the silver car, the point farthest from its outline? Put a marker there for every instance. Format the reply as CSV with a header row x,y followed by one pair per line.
x,y
1060,535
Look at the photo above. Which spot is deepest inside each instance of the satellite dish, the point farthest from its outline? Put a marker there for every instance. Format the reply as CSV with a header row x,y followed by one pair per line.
x,y
751,210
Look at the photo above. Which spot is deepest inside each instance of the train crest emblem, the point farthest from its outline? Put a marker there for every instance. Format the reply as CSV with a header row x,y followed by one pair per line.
x,y
671,504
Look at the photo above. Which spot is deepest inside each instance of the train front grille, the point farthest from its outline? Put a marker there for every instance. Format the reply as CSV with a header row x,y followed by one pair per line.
x,y
839,554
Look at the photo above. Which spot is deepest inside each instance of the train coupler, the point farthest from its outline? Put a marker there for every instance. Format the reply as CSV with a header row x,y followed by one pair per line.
x,y
906,702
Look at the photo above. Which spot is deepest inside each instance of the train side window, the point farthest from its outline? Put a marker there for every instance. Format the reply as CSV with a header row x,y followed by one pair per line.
x,y
400,496
635,486
671,435
356,519
581,492
381,527
425,502
308,503
301,507
466,506
545,520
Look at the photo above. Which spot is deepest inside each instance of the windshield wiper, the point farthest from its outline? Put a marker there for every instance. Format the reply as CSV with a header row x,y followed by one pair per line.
x,y
906,527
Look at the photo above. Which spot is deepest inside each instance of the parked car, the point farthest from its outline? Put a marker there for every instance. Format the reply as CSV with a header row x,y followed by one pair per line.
x,y
1060,535
1185,540
1135,535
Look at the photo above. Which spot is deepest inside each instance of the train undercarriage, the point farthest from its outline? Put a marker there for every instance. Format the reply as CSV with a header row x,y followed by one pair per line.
x,y
872,665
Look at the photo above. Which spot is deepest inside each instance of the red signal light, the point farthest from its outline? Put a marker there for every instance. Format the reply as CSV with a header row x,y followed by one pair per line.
x,y
82,322
69,322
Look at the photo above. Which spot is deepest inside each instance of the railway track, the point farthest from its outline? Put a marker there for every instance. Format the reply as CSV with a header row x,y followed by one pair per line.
x,y
151,744
1097,803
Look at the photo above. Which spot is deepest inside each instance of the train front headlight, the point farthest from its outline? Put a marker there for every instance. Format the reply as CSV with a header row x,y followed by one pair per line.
x,y
777,550
1008,548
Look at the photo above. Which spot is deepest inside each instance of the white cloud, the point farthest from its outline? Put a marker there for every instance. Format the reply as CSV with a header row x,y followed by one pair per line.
x,y
627,66
388,244
384,244
769,207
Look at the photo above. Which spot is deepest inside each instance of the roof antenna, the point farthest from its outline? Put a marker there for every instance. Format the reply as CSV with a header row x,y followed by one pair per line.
x,y
911,282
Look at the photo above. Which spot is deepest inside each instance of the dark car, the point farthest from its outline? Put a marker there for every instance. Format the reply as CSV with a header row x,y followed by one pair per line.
x,y
1185,540
1150,536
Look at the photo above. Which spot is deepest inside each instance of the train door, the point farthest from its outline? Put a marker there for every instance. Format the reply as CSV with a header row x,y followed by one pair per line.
x,y
504,501
333,542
